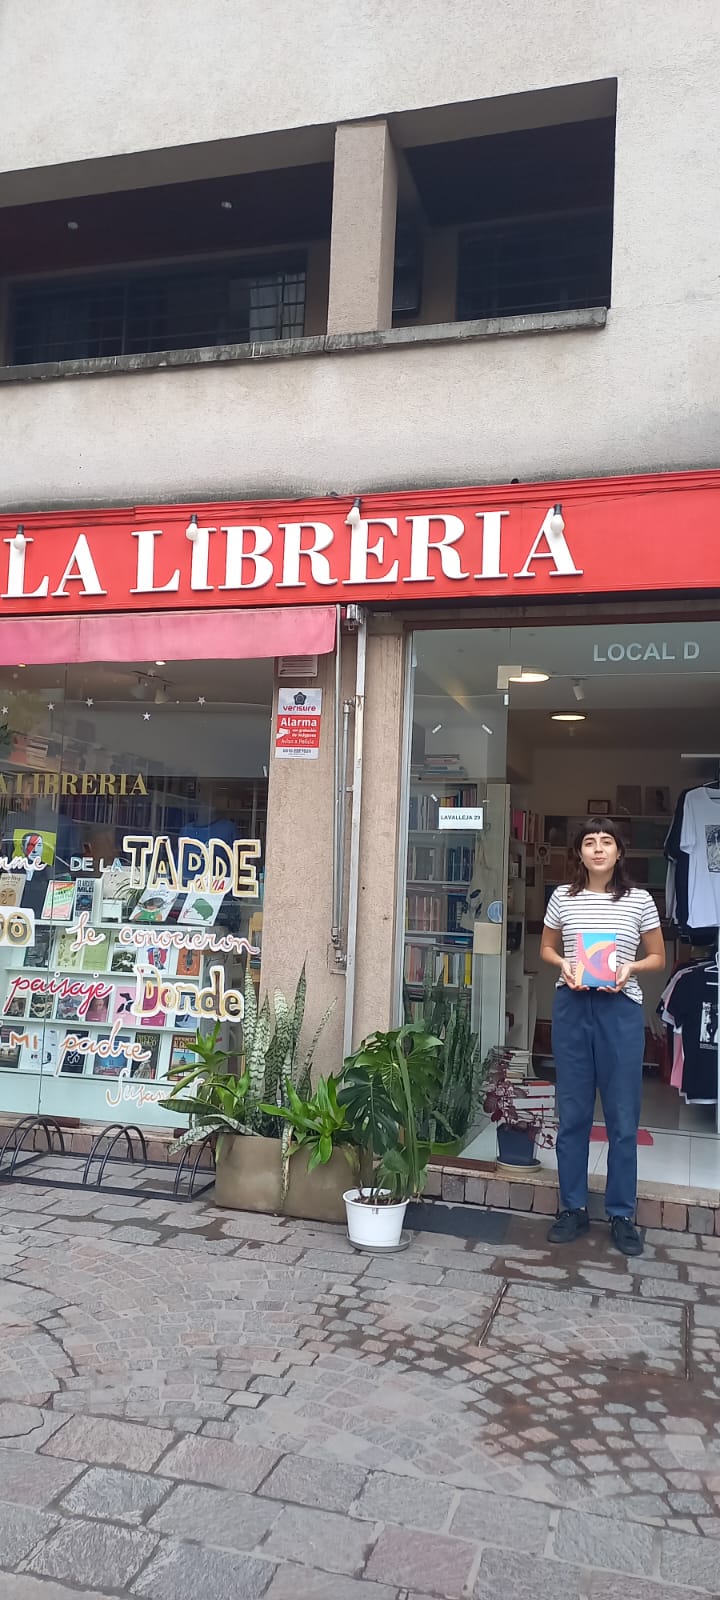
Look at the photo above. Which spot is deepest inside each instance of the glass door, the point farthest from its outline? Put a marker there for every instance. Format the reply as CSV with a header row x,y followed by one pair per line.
x,y
457,859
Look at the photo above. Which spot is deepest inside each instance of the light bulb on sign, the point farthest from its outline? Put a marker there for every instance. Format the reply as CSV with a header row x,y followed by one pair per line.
x,y
557,521
18,541
192,530
354,516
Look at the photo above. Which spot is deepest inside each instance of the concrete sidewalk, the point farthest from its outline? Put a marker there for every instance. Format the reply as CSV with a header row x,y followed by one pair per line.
x,y
203,1402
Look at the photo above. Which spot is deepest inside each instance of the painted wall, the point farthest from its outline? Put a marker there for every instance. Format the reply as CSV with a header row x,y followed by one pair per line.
x,y
187,71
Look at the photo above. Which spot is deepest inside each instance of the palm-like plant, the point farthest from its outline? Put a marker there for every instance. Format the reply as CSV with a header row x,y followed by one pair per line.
x,y
388,1082
213,1098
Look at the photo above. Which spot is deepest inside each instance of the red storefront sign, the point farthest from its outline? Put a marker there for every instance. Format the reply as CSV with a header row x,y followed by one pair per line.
x,y
612,535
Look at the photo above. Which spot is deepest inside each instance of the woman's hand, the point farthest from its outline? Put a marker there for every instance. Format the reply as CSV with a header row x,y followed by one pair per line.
x,y
624,971
567,973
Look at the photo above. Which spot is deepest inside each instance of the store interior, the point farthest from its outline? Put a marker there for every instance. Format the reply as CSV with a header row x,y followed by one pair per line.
x,y
537,728
92,756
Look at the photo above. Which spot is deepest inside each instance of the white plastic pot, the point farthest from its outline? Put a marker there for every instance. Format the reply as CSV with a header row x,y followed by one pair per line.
x,y
376,1227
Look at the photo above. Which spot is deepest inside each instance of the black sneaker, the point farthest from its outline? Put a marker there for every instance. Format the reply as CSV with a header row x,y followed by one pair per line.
x,y
625,1236
568,1225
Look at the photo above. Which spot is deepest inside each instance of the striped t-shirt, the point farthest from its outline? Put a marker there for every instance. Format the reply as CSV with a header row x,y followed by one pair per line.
x,y
628,918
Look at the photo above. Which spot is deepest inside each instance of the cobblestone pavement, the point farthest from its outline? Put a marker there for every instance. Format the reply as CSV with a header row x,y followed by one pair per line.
x,y
196,1401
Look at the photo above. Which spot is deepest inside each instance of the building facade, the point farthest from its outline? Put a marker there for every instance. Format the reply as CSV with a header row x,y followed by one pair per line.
x,y
393,326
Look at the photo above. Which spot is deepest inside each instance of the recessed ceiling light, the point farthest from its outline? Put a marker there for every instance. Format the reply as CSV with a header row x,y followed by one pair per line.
x,y
226,205
530,675
568,716
161,663
73,226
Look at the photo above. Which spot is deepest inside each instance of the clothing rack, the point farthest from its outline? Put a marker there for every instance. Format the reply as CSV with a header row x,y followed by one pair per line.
x,y
710,755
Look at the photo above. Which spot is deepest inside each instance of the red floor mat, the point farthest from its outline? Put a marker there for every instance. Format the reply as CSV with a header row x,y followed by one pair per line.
x,y
599,1135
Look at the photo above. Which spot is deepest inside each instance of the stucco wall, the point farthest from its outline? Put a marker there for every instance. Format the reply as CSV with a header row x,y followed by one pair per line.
x,y
641,394
185,71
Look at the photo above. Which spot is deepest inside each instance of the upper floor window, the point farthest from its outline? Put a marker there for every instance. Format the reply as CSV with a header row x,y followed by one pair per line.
x,y
129,313
535,264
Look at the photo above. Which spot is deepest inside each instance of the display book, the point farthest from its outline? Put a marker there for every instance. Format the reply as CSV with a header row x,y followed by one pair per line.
x,y
64,991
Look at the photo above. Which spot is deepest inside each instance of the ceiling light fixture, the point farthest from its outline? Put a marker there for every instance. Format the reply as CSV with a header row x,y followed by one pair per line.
x,y
161,663
568,716
557,521
529,675
485,727
578,689
73,226
226,205
437,728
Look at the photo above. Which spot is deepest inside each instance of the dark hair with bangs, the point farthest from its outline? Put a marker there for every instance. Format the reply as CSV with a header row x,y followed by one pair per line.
x,y
619,884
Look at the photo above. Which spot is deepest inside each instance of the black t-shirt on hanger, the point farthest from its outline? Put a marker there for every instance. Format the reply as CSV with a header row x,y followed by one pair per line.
x,y
693,1006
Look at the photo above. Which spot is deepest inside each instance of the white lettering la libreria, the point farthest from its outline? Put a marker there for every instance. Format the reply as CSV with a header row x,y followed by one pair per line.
x,y
234,558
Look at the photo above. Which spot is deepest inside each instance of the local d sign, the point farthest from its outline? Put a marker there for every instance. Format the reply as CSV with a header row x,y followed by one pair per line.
x,y
656,650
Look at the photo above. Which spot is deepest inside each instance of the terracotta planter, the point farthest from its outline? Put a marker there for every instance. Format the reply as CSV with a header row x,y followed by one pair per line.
x,y
318,1195
249,1178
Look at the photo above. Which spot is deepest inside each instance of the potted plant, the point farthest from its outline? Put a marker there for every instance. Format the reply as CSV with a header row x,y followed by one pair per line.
x,y
321,1152
387,1084
521,1126
254,1141
443,1128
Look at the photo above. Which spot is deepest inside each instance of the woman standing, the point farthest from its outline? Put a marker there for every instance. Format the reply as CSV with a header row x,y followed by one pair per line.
x,y
598,1033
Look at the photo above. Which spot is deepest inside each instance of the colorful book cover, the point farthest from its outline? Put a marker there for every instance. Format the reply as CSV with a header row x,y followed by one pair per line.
x,y
596,960
154,905
116,1061
12,885
189,963
150,1044
59,900
182,1056
124,1000
87,896
123,958
73,1062
37,954
35,845
201,908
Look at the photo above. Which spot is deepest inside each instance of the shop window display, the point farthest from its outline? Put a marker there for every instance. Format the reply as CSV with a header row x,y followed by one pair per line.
x,y
133,807
518,735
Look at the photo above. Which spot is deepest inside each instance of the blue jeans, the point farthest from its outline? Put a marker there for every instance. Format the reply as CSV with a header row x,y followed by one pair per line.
x,y
598,1044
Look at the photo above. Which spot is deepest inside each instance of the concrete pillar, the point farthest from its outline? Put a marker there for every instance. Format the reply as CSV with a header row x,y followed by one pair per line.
x,y
298,887
297,911
362,249
439,298
378,907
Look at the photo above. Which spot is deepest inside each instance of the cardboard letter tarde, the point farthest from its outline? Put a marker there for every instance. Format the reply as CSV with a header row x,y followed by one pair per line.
x,y
157,864
616,535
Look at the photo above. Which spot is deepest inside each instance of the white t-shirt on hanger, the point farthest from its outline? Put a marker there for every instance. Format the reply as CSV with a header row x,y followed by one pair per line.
x,y
700,839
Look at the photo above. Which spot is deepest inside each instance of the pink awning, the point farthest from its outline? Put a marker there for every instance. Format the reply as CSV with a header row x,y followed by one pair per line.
x,y
168,636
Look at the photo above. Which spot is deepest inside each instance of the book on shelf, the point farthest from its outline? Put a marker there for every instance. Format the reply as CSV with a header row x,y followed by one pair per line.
x,y
453,968
59,900
424,913
459,863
